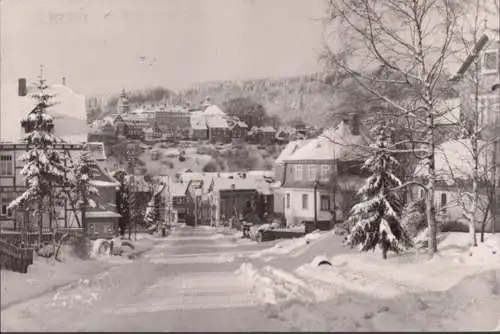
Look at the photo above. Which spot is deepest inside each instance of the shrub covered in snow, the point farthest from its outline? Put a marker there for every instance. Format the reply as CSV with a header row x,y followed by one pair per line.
x,y
413,218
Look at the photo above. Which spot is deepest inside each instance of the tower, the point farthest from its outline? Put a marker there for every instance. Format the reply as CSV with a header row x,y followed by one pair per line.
x,y
123,106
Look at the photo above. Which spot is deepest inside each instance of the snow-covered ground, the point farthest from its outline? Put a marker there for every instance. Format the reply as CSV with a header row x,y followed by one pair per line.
x,y
47,274
462,280
291,247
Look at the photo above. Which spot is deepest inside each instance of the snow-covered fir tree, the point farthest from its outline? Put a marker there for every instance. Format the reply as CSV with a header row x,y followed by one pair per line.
x,y
82,191
122,202
152,216
44,169
376,218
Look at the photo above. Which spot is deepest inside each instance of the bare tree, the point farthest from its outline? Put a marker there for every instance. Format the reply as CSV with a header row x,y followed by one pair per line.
x,y
411,41
477,130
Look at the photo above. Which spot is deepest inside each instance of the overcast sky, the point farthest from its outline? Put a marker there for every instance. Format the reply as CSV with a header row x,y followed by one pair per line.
x,y
104,45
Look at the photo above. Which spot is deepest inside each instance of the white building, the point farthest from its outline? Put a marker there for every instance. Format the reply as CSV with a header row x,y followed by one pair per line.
x,y
69,113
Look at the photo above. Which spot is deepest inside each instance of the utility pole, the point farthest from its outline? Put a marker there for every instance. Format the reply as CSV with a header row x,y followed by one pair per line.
x,y
315,204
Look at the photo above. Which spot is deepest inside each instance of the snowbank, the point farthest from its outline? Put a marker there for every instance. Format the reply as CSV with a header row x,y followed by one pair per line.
x,y
45,275
289,246
271,285
368,273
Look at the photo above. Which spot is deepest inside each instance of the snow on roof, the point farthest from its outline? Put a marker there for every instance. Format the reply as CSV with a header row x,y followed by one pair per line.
x,y
249,183
69,112
236,184
260,173
96,150
242,124
178,189
290,149
334,144
217,122
102,214
100,183
267,129
454,159
171,152
198,122
213,110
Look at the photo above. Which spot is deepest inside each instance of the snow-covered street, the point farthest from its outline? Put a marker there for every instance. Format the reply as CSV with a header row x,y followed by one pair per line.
x,y
199,279
186,282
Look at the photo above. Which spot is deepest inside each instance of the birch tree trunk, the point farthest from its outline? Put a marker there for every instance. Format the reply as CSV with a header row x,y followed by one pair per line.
x,y
473,219
475,192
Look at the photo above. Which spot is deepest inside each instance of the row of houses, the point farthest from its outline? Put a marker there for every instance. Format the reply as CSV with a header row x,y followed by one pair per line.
x,y
300,187
210,198
210,123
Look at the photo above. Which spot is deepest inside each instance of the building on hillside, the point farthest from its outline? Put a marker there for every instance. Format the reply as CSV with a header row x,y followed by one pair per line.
x,y
69,113
262,135
199,129
148,135
267,134
239,129
134,125
175,121
123,104
326,168
218,129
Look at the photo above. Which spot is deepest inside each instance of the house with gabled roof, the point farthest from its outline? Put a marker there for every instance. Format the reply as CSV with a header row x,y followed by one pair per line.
x,y
199,129
322,173
178,193
279,170
218,129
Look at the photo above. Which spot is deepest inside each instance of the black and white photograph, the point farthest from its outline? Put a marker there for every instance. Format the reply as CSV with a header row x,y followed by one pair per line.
x,y
249,165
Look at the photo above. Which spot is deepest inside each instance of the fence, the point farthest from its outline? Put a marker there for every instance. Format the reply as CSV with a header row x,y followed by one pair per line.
x,y
15,258
30,239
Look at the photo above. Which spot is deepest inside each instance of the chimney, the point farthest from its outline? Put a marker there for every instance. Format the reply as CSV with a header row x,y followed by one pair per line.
x,y
22,89
355,125
64,81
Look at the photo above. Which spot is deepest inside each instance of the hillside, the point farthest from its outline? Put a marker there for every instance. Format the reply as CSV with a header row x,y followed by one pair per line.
x,y
306,97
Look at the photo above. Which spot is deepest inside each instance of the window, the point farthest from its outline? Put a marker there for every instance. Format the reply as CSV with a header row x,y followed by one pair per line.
x,y
490,62
4,211
312,172
325,203
288,200
325,172
305,201
443,202
488,106
6,165
298,172
421,193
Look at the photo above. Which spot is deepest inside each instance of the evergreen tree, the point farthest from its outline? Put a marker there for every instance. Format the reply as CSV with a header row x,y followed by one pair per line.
x,y
83,191
122,203
44,169
376,218
152,216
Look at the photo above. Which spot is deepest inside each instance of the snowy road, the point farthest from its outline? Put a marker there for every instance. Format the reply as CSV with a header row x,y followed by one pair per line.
x,y
186,283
